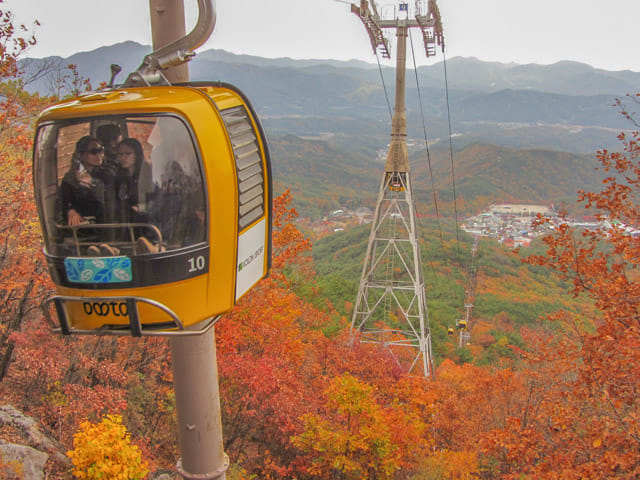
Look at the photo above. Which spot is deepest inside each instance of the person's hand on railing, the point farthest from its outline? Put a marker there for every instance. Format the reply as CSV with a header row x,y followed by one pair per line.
x,y
75,218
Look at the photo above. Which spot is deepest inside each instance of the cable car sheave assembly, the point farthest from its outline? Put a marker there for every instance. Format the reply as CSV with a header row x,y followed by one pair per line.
x,y
176,239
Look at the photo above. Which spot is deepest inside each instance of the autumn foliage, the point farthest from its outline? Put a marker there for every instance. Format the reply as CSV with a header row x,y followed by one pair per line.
x,y
582,417
104,450
299,399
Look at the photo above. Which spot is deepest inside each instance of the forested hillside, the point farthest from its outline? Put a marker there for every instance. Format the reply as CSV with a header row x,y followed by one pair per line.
x,y
510,294
547,389
337,172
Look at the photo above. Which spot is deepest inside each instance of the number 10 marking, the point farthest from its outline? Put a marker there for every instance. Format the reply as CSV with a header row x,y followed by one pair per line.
x,y
196,264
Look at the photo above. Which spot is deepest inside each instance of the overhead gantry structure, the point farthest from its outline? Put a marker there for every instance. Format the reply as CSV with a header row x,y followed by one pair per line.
x,y
427,19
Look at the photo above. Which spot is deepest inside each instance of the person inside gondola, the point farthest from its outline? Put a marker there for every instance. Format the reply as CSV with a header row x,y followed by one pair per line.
x,y
110,137
81,197
133,182
134,189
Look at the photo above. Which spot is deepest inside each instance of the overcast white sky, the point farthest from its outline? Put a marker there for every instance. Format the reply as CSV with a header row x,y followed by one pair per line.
x,y
602,34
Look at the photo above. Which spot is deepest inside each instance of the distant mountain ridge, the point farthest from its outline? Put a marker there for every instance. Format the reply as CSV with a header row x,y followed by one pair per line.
x,y
566,106
565,77
468,73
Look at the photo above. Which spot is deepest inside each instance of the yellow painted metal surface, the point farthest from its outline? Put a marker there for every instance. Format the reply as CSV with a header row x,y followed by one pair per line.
x,y
212,293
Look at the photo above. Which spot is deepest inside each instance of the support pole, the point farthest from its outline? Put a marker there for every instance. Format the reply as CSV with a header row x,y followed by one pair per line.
x,y
398,157
195,382
168,25
195,369
392,270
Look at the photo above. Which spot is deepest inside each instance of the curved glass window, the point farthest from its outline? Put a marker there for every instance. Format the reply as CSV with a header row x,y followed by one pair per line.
x,y
119,186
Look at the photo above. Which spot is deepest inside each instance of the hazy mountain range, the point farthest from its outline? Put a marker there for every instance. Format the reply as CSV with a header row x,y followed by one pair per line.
x,y
565,106
328,122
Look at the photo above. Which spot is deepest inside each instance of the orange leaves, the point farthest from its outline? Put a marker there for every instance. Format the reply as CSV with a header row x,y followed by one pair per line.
x,y
22,280
22,283
580,417
289,245
297,404
12,43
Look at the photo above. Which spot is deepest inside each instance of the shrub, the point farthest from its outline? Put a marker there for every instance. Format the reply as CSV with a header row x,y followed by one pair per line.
x,y
104,451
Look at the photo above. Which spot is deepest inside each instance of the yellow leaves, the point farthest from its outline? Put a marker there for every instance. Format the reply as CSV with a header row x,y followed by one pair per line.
x,y
104,450
355,437
597,443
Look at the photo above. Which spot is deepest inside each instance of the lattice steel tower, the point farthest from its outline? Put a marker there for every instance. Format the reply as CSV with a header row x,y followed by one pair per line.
x,y
391,307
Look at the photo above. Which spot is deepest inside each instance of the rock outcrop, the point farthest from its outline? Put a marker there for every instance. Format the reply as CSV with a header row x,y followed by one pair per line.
x,y
22,462
29,459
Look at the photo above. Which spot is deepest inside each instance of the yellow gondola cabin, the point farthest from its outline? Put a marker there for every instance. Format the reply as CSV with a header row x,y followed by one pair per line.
x,y
199,234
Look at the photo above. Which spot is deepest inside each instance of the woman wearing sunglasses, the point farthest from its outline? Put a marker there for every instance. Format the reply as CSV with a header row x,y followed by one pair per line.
x,y
81,195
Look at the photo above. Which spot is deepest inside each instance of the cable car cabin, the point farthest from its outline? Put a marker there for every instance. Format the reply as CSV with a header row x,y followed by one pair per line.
x,y
450,331
155,206
397,181
462,325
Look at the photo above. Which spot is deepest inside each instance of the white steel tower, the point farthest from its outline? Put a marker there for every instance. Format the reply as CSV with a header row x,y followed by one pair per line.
x,y
391,307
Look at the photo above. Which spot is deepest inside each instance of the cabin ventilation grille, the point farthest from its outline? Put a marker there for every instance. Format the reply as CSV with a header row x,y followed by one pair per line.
x,y
249,165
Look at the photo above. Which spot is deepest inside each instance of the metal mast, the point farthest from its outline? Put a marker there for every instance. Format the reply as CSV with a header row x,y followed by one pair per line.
x,y
470,295
194,363
391,306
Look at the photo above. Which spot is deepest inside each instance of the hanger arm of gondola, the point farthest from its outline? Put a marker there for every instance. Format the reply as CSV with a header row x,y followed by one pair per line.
x,y
178,52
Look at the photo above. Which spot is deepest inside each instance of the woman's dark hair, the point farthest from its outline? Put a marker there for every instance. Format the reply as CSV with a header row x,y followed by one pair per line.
x,y
136,146
82,146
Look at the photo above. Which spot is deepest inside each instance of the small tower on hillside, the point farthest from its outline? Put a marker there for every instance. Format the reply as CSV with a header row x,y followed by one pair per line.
x,y
391,307
470,295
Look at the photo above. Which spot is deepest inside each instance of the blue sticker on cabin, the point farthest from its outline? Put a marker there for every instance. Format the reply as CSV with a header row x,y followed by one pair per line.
x,y
98,270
